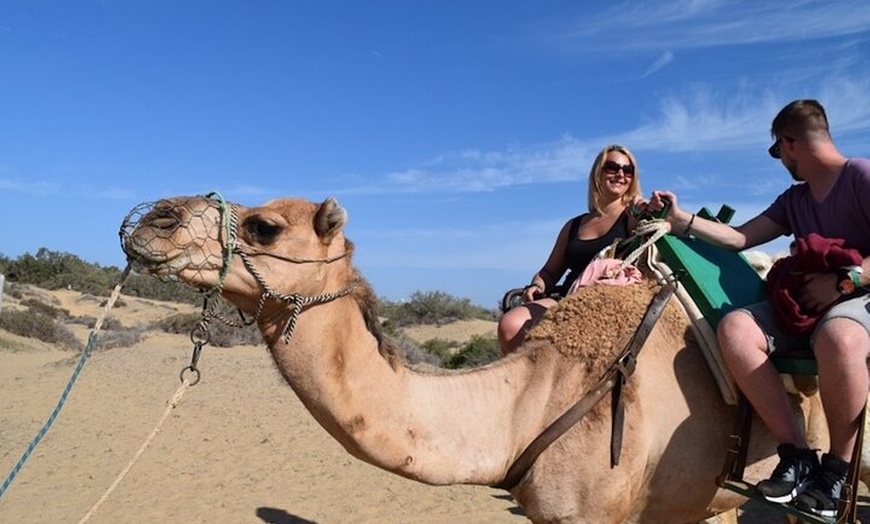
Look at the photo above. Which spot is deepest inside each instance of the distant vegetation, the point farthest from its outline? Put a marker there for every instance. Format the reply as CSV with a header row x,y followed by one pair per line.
x,y
52,270
432,307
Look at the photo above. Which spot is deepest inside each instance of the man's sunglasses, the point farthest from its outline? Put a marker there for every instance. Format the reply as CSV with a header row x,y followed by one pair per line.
x,y
774,149
611,168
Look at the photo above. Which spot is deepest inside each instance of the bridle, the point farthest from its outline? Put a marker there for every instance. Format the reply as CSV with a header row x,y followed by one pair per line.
x,y
231,246
299,302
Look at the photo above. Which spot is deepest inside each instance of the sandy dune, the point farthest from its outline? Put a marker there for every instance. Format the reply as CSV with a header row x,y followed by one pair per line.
x,y
238,448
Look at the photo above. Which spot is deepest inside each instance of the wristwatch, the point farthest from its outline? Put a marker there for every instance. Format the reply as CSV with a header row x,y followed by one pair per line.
x,y
849,279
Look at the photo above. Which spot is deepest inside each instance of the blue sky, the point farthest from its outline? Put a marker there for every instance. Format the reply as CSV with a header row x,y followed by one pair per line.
x,y
457,134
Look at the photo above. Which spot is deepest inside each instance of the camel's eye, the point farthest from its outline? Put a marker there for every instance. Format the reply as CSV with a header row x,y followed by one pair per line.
x,y
262,231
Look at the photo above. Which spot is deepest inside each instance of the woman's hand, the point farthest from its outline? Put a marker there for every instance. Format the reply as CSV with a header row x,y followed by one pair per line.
x,y
532,292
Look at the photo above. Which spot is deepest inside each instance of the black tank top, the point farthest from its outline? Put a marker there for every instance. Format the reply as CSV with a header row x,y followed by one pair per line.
x,y
579,252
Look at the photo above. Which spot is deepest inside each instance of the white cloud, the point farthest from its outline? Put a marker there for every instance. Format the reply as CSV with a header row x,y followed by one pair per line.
x,y
698,119
707,23
666,58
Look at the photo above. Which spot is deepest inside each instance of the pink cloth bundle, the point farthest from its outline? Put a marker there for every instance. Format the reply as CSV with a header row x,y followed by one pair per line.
x,y
607,271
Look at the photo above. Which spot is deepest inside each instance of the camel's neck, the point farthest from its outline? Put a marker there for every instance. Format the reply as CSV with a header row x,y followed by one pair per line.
x,y
464,427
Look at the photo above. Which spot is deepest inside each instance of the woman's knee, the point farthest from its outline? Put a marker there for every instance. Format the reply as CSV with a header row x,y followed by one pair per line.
x,y
512,322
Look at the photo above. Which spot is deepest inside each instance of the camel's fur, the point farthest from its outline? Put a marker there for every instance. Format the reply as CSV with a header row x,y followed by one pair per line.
x,y
469,426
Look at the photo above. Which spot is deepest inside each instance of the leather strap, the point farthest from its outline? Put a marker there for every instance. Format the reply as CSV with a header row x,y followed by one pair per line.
x,y
618,373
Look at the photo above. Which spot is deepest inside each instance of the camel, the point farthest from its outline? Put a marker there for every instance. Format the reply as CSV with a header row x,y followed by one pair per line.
x,y
287,264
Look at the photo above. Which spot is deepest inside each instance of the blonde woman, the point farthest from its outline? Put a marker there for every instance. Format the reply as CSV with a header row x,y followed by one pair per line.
x,y
614,187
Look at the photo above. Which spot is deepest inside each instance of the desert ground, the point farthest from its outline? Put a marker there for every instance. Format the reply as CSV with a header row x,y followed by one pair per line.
x,y
237,448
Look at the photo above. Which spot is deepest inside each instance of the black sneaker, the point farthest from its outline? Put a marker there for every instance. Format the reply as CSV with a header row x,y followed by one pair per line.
x,y
791,476
822,497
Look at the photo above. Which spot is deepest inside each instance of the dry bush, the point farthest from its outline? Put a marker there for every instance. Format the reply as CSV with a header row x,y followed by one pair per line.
x,y
36,324
118,338
48,310
220,334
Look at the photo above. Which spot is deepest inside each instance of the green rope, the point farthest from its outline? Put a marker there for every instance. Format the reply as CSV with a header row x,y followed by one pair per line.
x,y
86,353
228,223
60,403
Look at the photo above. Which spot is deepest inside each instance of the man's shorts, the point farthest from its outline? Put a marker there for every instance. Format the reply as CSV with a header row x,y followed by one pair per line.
x,y
856,308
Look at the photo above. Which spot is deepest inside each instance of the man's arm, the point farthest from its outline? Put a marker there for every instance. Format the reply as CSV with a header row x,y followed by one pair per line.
x,y
754,232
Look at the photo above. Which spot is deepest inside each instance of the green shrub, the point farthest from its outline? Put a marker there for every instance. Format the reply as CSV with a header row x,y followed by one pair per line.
x,y
440,348
479,351
56,270
433,307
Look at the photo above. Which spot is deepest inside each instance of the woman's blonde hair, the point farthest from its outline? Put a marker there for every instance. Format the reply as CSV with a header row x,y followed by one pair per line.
x,y
595,191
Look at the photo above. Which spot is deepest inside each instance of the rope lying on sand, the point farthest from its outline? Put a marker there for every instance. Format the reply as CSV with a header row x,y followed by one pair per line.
x,y
176,398
86,353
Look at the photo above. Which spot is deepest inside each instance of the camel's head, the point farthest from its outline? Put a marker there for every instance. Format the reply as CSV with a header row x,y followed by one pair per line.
x,y
284,245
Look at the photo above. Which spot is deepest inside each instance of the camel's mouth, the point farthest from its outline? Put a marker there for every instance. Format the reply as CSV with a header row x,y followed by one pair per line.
x,y
145,237
178,238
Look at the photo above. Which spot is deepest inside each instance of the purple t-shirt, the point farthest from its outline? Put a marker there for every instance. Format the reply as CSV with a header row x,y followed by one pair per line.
x,y
844,213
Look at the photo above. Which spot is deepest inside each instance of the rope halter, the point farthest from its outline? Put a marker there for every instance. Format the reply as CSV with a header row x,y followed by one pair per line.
x,y
231,246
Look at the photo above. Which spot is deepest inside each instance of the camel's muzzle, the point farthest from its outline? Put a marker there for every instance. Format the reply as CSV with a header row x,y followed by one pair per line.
x,y
141,229
190,234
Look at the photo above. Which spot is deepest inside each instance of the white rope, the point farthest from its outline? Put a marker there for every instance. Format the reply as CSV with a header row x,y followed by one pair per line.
x,y
655,228
176,398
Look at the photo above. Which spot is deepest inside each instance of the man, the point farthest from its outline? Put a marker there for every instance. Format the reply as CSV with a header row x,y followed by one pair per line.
x,y
832,199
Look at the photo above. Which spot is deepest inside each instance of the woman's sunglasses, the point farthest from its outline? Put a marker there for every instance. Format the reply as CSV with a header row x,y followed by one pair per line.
x,y
611,168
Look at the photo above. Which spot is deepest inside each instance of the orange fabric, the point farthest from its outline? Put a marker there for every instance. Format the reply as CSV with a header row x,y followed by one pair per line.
x,y
815,254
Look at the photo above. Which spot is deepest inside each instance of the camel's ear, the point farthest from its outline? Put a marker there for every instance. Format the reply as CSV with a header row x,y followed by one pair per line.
x,y
329,220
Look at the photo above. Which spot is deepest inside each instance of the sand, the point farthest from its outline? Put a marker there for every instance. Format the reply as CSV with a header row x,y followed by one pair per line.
x,y
238,448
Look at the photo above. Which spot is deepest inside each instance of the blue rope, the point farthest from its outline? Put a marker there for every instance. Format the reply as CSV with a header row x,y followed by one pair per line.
x,y
60,403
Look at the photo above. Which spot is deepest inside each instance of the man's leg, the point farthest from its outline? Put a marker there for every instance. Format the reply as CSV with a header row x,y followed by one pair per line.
x,y
744,345
745,351
841,348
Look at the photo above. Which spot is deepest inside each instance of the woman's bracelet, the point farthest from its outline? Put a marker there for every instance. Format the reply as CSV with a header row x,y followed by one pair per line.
x,y
689,226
